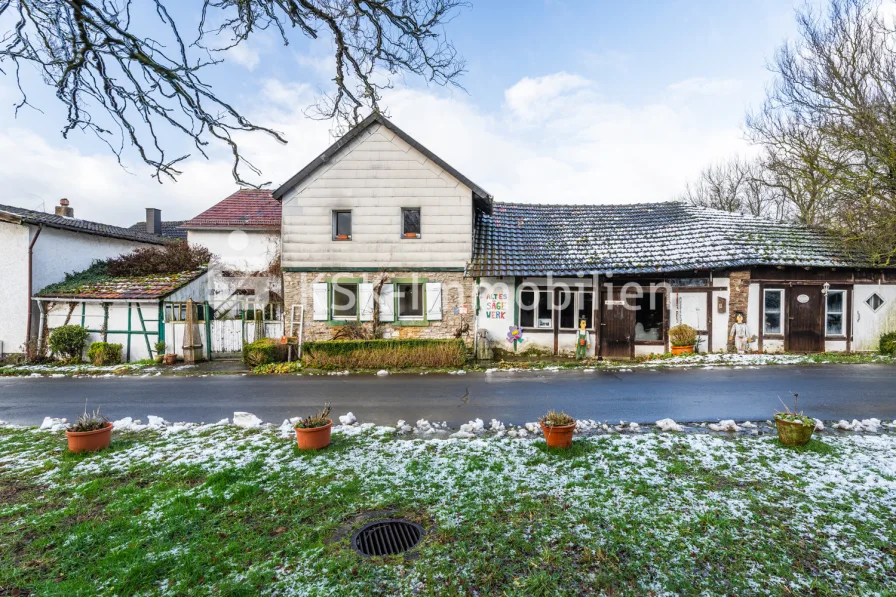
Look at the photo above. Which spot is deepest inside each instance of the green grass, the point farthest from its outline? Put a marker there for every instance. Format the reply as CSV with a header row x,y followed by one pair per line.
x,y
223,511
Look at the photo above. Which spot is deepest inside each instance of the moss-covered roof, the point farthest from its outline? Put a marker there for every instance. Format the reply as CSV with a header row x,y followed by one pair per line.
x,y
96,283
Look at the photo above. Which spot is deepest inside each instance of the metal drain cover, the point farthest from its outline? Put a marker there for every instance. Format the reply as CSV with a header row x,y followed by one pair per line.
x,y
387,537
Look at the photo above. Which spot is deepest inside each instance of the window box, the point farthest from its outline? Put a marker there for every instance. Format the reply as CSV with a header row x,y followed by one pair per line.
x,y
343,237
411,235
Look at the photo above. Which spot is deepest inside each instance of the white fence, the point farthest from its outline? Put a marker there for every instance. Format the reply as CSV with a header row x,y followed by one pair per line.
x,y
228,335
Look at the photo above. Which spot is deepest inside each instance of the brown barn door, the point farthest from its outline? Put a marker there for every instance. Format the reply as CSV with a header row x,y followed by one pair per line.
x,y
617,328
805,331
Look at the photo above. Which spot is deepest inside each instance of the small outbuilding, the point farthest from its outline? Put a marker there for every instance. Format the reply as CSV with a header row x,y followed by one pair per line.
x,y
136,312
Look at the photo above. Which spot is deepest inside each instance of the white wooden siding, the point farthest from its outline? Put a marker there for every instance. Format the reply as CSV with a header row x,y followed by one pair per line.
x,y
375,176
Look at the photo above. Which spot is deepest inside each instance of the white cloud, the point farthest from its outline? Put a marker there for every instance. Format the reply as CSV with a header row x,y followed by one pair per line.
x,y
244,55
704,86
555,141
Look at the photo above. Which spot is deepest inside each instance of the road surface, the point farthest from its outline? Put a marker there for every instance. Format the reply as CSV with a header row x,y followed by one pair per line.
x,y
643,395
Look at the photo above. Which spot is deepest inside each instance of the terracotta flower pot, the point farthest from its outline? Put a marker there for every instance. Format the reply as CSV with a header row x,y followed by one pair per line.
x,y
314,439
170,359
89,441
793,434
676,350
558,436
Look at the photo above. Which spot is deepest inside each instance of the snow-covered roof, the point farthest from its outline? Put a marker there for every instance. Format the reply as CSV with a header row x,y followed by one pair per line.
x,y
526,239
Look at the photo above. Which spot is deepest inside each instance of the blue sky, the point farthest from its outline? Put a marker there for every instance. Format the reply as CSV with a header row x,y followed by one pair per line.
x,y
565,102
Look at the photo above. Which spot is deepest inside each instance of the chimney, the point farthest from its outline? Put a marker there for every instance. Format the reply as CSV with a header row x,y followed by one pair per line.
x,y
153,221
64,210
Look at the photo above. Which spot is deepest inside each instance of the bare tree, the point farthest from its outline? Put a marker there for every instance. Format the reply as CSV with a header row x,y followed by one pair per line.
x,y
127,87
736,185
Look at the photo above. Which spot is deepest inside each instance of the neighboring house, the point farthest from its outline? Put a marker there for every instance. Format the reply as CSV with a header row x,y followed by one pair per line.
x,y
379,210
39,249
154,225
380,228
243,232
128,310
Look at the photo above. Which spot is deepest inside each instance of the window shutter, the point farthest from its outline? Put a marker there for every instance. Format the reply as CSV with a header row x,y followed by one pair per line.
x,y
320,299
433,301
365,301
387,303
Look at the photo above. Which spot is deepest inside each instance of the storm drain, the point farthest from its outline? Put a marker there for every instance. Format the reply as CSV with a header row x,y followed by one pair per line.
x,y
387,537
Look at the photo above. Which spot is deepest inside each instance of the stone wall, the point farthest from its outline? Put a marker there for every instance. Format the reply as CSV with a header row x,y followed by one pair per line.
x,y
738,300
457,293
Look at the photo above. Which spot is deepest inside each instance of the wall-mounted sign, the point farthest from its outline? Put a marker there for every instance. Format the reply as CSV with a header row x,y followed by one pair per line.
x,y
722,305
496,305
802,299
615,303
462,310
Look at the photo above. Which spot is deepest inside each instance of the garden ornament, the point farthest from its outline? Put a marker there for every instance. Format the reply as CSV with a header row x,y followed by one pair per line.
x,y
515,334
583,340
740,333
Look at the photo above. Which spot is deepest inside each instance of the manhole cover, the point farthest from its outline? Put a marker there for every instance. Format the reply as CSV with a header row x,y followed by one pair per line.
x,y
387,537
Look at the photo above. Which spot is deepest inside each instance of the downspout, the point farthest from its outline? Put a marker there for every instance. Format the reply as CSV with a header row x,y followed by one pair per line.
x,y
30,267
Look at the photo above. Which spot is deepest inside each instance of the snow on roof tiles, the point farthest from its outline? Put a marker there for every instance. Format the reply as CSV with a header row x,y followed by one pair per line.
x,y
519,239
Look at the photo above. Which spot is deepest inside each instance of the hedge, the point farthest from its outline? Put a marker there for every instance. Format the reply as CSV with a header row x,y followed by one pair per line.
x,y
384,354
104,353
888,344
263,352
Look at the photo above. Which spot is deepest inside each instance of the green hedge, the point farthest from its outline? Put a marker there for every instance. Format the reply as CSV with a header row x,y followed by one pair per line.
x,y
263,352
104,353
888,344
384,354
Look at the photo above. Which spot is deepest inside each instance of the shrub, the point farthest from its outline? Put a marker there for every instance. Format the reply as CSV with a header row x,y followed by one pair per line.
x,y
165,259
384,354
682,335
888,344
264,352
159,347
68,341
89,422
104,353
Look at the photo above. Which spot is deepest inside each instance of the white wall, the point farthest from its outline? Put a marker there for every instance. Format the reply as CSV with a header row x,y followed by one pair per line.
x,y
720,327
13,286
376,175
868,325
92,319
754,324
242,250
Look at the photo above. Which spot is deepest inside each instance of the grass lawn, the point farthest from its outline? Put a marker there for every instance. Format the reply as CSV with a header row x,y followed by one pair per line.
x,y
218,510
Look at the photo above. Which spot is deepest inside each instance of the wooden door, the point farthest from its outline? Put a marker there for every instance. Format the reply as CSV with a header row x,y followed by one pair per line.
x,y
805,329
617,328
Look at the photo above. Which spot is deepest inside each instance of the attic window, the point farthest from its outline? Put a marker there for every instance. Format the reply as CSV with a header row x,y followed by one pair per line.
x,y
875,302
342,225
410,222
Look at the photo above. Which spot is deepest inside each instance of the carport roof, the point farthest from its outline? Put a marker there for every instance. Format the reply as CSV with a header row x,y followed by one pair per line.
x,y
85,286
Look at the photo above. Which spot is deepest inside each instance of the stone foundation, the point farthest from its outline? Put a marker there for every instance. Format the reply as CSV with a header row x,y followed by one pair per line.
x,y
457,294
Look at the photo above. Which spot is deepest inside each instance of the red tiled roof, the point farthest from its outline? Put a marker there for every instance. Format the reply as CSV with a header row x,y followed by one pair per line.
x,y
142,287
247,208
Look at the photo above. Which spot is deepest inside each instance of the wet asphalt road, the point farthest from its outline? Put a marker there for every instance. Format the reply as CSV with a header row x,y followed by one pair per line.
x,y
643,395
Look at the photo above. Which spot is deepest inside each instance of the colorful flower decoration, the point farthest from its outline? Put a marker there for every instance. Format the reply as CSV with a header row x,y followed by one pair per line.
x,y
515,334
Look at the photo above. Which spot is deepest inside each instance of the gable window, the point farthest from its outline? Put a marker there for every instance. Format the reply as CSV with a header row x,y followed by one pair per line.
x,y
535,309
410,222
410,301
342,225
773,307
834,306
344,302
875,302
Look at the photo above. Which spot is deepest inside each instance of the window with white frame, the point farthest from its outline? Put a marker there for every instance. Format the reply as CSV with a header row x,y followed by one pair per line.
x,y
835,305
344,301
773,307
410,301
536,309
178,311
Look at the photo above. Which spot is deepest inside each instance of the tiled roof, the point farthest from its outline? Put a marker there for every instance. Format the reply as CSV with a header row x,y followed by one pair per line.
x,y
142,287
171,230
247,208
519,239
28,216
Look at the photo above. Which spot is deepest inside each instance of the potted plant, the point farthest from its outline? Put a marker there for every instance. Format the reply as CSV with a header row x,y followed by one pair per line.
x,y
794,429
170,358
90,433
343,237
557,428
411,235
683,338
159,347
313,433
